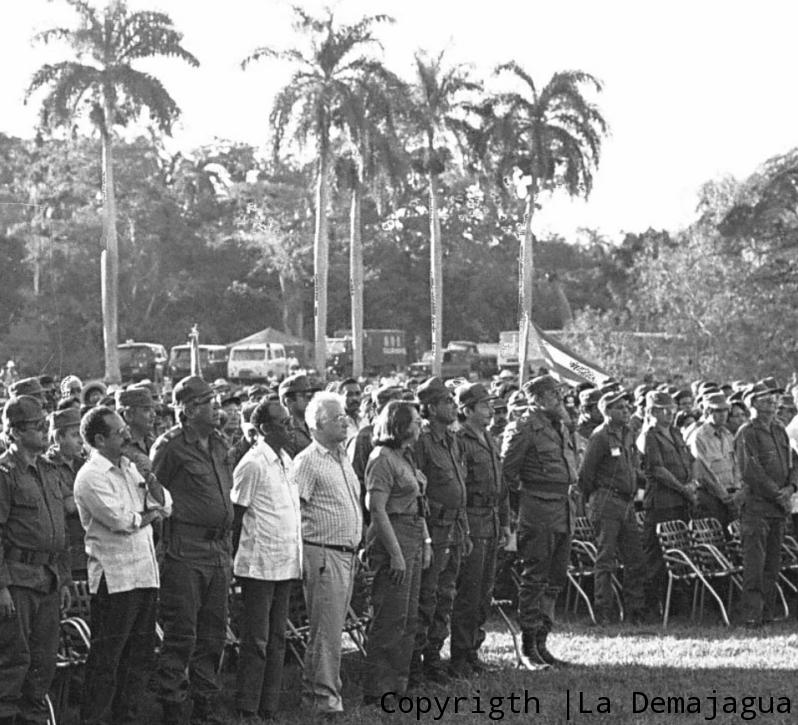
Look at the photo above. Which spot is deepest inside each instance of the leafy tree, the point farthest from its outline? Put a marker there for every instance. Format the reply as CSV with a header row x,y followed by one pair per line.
x,y
103,83
552,138
316,100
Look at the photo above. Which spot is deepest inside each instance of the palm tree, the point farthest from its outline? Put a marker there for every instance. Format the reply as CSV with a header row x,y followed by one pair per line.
x,y
371,160
441,102
317,99
552,138
103,83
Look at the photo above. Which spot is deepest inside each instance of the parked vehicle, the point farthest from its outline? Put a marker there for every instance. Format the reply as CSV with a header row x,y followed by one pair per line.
x,y
141,361
256,362
456,364
213,361
384,352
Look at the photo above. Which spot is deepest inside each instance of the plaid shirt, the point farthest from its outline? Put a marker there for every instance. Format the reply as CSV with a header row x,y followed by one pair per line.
x,y
329,493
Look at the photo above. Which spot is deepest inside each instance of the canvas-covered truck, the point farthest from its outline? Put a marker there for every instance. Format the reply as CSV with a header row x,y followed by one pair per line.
x,y
384,352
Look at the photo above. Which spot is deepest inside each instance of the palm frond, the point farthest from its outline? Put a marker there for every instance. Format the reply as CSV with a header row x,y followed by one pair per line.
x,y
144,91
69,82
147,34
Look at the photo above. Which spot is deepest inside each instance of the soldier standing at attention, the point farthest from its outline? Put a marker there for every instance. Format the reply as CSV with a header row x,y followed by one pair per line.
x,y
439,458
295,392
137,409
190,461
66,455
488,521
34,564
539,457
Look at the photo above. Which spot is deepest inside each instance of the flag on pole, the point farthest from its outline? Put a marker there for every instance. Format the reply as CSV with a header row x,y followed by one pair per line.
x,y
564,363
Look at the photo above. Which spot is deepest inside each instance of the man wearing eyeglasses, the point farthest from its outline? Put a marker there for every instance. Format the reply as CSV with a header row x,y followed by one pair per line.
x,y
539,460
770,477
117,509
295,392
190,460
34,563
268,559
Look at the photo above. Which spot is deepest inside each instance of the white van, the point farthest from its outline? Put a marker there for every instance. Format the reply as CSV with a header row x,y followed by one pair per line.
x,y
255,362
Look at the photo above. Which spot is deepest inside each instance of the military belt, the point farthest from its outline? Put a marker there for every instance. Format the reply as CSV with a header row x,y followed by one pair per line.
x,y
333,547
31,556
441,514
198,531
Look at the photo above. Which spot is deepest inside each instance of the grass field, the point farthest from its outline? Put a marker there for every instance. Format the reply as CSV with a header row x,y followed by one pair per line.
x,y
611,664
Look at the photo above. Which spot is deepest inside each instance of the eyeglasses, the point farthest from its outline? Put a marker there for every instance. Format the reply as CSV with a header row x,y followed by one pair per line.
x,y
340,418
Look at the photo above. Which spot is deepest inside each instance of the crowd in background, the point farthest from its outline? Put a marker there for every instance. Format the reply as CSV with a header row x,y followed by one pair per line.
x,y
160,505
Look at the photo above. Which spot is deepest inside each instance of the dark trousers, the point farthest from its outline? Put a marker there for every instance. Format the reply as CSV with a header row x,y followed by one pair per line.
x,y
436,596
761,538
617,536
260,664
472,602
656,575
28,647
121,655
544,546
194,616
395,620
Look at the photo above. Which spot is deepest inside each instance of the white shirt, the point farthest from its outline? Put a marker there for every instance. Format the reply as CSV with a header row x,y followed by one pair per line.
x,y
270,547
110,503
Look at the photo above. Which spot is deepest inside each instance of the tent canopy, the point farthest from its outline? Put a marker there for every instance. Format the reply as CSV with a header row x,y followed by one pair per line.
x,y
269,334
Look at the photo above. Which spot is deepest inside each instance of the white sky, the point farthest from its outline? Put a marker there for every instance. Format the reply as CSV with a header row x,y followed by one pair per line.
x,y
693,89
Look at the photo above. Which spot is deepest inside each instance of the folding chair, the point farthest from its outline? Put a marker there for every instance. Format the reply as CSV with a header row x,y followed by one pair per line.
x,y
688,562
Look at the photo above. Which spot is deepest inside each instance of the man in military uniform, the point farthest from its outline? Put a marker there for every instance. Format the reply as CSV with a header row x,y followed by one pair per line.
x,y
439,458
669,469
770,478
137,408
190,461
609,476
34,567
66,455
295,392
488,522
539,457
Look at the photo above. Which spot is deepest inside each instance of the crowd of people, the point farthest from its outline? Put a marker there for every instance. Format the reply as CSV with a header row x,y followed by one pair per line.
x,y
159,506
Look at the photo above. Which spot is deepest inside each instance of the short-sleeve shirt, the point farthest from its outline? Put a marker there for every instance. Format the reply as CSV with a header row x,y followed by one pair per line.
x,y
392,472
270,547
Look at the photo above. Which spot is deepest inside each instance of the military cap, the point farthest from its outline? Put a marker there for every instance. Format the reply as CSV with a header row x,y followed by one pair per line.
x,y
716,401
432,390
26,386
507,376
192,389
220,383
684,393
46,381
767,386
658,399
589,396
453,383
136,396
517,400
386,393
471,394
641,391
230,398
67,418
294,384
22,409
609,399
541,384
500,403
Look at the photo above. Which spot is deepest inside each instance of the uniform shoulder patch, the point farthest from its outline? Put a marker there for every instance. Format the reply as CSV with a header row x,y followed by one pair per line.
x,y
164,438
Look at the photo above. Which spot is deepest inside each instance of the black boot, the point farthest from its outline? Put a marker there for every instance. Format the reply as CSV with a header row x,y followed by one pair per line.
x,y
530,657
543,650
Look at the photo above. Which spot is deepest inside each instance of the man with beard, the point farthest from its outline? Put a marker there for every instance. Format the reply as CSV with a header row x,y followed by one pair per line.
x,y
190,461
539,457
439,458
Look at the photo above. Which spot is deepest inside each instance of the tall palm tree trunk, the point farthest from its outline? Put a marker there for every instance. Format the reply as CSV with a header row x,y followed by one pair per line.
x,y
109,260
525,276
435,277
356,279
321,261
